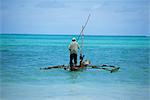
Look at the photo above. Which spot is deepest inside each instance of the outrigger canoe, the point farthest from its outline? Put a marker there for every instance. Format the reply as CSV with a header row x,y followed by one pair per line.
x,y
109,68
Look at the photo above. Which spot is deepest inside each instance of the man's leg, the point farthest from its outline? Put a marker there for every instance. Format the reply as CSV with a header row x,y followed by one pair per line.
x,y
75,59
71,58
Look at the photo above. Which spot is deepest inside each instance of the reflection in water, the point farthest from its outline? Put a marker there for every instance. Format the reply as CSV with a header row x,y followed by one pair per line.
x,y
74,76
74,79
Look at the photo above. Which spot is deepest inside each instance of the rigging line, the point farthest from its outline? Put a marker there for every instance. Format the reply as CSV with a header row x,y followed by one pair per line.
x,y
81,42
83,27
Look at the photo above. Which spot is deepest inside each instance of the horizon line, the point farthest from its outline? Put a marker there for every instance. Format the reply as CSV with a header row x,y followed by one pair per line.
x,y
73,34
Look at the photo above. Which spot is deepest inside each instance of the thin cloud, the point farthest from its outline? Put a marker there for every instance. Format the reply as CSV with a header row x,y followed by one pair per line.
x,y
127,10
51,4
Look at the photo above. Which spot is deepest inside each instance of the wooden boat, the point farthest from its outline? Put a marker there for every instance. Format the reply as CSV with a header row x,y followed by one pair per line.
x,y
105,67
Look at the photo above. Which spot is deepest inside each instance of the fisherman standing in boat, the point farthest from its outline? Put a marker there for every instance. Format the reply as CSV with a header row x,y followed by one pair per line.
x,y
73,47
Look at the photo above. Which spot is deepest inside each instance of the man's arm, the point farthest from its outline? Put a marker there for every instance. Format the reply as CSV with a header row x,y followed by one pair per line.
x,y
69,47
78,46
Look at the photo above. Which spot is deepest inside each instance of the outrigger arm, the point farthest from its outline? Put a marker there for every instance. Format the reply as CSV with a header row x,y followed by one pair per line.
x,y
109,68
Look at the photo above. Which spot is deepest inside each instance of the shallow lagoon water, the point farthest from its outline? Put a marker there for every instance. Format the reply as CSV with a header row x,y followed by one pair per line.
x,y
23,55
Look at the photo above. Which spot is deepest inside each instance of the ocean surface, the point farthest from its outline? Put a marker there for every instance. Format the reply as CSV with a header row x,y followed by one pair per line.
x,y
22,56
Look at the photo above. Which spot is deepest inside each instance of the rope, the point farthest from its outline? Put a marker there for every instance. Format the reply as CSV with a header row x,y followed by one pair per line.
x,y
83,27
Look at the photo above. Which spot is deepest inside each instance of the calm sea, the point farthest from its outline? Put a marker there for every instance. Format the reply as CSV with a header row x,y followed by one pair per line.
x,y
22,56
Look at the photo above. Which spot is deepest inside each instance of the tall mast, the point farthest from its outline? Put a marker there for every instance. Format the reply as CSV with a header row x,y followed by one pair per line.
x,y
82,40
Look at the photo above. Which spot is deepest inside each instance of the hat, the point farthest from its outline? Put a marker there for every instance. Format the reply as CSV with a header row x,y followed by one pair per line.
x,y
73,39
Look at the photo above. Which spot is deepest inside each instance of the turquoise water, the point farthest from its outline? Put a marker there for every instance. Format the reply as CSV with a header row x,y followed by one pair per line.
x,y
23,55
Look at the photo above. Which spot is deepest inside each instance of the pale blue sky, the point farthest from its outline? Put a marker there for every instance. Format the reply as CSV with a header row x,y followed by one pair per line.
x,y
108,17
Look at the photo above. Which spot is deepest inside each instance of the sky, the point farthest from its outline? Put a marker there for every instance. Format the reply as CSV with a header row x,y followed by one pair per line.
x,y
108,17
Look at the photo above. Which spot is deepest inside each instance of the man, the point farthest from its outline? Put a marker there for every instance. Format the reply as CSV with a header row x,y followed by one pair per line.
x,y
73,47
